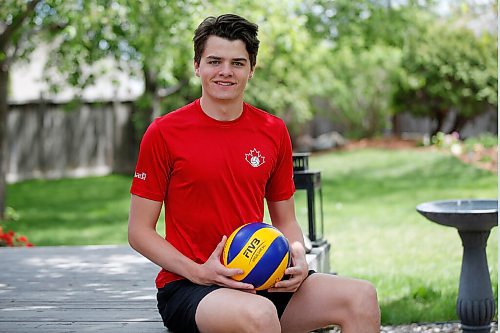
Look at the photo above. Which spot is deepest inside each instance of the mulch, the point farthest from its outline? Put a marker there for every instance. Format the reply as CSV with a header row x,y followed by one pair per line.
x,y
453,327
448,327
384,143
483,158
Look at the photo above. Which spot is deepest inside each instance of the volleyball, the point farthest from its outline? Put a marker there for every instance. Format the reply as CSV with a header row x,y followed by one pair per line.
x,y
261,251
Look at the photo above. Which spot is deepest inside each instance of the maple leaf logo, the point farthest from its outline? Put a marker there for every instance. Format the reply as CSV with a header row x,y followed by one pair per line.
x,y
255,158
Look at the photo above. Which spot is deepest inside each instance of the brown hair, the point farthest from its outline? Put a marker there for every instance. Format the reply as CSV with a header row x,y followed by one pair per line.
x,y
228,26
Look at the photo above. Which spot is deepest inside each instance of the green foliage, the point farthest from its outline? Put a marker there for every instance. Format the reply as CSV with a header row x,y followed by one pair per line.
x,y
146,39
18,23
11,214
484,140
444,65
442,140
349,51
448,67
289,59
358,86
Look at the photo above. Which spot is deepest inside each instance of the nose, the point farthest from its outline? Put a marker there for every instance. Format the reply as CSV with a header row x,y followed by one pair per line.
x,y
226,70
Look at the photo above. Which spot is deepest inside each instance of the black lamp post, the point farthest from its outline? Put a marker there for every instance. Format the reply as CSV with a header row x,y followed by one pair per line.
x,y
310,181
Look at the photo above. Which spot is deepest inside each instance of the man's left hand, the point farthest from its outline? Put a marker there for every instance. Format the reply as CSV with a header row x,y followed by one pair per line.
x,y
297,273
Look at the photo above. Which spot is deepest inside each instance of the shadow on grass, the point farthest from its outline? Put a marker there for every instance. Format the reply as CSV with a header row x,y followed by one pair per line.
x,y
424,304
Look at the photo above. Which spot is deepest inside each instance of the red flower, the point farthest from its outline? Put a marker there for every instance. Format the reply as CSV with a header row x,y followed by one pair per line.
x,y
10,239
22,239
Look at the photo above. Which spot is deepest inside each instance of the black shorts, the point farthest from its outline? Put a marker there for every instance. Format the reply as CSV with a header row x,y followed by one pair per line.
x,y
178,301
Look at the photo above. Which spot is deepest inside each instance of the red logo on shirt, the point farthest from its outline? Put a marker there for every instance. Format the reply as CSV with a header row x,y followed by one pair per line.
x,y
255,158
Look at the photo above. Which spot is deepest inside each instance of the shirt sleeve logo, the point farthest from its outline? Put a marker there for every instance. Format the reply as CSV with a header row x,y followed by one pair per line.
x,y
140,175
255,158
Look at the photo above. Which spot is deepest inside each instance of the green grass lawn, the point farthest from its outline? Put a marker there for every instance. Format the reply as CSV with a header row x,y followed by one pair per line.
x,y
370,220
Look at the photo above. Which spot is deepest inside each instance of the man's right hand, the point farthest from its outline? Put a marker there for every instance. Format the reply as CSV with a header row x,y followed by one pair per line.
x,y
214,272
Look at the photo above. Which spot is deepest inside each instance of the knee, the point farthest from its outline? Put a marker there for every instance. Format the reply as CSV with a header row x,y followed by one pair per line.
x,y
262,317
364,304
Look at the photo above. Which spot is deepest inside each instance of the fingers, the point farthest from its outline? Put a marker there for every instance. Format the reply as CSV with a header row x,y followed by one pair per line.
x,y
290,285
220,247
296,277
226,281
239,285
297,273
223,273
230,271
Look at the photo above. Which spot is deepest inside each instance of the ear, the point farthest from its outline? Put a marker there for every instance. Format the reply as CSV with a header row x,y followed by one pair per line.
x,y
251,73
196,68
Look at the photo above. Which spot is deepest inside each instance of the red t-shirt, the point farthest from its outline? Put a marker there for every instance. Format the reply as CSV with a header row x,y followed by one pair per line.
x,y
212,175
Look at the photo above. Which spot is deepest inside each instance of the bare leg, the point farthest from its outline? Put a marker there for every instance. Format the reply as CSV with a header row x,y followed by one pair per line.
x,y
233,311
325,299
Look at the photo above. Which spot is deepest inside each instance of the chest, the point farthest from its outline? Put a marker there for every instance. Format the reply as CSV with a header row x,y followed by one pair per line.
x,y
211,156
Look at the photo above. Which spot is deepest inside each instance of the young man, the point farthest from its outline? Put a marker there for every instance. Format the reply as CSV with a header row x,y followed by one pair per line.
x,y
212,163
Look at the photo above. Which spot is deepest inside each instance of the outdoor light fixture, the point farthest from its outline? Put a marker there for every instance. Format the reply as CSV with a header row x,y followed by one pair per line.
x,y
310,180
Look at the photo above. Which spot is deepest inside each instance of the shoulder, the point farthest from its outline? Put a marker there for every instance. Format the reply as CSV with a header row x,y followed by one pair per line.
x,y
172,123
184,113
265,118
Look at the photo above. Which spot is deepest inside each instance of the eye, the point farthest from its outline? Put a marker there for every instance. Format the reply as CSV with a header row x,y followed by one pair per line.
x,y
238,64
213,62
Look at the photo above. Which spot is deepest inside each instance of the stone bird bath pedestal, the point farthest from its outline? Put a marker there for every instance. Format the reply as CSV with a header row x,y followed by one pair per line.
x,y
473,219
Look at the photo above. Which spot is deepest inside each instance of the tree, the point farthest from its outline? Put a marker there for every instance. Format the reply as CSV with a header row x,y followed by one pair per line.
x,y
148,39
448,68
17,24
145,38
358,85
444,66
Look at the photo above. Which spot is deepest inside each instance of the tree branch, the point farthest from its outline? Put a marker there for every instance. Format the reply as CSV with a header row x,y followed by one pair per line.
x,y
17,22
164,92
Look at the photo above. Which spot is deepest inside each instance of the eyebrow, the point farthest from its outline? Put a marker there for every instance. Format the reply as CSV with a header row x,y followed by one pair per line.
x,y
220,58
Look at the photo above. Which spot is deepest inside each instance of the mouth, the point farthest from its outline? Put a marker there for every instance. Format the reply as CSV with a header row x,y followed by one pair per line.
x,y
224,83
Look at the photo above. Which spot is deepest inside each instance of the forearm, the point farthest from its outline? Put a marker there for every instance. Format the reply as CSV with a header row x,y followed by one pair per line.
x,y
282,215
142,236
292,231
154,247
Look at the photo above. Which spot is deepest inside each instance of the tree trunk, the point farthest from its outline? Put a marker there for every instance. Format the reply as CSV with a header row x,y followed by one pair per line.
x,y
440,115
151,90
373,124
396,125
459,123
6,44
4,82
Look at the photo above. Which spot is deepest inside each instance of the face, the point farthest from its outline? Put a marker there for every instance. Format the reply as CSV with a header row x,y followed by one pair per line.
x,y
224,69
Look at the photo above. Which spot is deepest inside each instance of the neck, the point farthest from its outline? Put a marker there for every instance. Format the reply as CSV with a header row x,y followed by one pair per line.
x,y
221,110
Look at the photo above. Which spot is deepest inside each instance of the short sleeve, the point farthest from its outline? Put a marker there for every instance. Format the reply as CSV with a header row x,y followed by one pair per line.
x,y
280,185
153,168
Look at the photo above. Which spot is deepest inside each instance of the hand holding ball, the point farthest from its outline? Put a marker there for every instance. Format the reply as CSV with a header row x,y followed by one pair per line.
x,y
261,251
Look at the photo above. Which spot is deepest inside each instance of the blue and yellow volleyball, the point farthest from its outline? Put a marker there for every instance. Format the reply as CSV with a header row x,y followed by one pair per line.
x,y
261,251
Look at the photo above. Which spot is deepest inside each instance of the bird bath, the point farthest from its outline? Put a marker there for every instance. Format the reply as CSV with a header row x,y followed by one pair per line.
x,y
473,219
